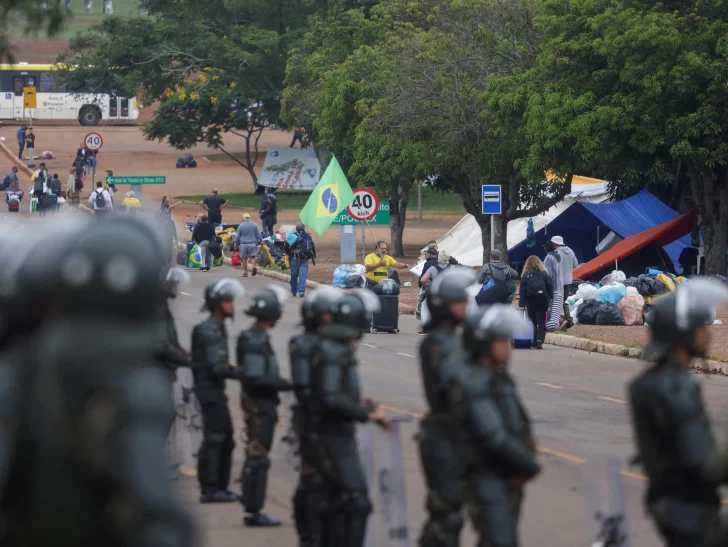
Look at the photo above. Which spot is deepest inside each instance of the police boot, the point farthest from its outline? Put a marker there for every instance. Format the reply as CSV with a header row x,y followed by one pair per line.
x,y
307,510
255,479
218,496
226,459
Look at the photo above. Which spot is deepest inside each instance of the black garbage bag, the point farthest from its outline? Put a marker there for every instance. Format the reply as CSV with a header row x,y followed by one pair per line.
x,y
631,282
609,314
647,285
587,313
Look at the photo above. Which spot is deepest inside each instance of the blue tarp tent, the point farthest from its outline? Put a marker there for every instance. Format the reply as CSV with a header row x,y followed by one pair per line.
x,y
583,225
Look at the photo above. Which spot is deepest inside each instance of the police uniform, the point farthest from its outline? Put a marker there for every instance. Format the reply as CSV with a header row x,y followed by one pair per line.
x,y
259,401
676,446
495,444
440,355
336,409
91,466
307,498
211,369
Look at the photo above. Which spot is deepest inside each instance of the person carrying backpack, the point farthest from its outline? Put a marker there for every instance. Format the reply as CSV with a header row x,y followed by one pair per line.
x,y
300,252
498,280
100,200
536,293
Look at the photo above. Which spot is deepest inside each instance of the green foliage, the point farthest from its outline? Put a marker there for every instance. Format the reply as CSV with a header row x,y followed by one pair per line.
x,y
38,18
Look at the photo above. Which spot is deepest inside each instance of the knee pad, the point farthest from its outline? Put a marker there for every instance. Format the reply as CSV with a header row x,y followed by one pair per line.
x,y
357,503
257,464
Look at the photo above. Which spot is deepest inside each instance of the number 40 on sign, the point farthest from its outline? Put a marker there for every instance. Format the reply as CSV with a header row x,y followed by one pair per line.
x,y
93,141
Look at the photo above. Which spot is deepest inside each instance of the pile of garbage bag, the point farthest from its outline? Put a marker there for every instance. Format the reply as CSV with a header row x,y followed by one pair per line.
x,y
350,277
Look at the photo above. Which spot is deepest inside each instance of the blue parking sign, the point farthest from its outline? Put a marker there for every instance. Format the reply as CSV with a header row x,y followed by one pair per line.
x,y
491,196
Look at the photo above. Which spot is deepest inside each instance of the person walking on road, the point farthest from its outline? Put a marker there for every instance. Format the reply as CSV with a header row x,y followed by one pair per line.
x,y
21,134
336,409
259,399
167,228
202,234
211,367
498,280
247,240
431,255
316,313
73,189
269,215
443,263
497,449
552,263
100,201
568,264
535,296
439,351
14,184
30,145
214,204
685,467
300,252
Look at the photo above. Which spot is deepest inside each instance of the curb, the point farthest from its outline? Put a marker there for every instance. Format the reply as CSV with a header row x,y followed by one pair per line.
x,y
14,158
594,346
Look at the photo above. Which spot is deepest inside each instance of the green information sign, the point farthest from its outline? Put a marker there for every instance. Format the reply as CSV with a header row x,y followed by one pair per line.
x,y
136,180
382,217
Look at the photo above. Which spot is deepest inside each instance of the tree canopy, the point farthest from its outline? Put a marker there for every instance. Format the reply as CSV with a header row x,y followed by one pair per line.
x,y
39,18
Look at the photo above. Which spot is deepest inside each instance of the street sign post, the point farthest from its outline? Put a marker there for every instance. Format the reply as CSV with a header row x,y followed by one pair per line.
x,y
136,183
491,205
365,209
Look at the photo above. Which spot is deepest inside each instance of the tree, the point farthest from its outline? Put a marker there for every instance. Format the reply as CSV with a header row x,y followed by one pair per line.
x,y
445,97
162,56
652,104
39,17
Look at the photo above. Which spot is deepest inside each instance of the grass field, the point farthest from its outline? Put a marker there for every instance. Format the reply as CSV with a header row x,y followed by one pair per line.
x,y
294,201
79,19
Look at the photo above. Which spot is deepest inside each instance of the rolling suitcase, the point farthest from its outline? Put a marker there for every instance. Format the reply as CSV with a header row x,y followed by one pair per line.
x,y
525,340
387,318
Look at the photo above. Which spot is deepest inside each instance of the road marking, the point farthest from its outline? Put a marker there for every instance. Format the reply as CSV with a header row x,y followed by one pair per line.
x,y
552,386
405,354
186,293
562,455
368,345
612,399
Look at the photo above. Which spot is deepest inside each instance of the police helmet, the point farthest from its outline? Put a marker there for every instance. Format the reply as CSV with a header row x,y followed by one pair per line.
x,y
224,289
449,287
487,324
317,303
352,314
676,317
32,254
267,304
175,277
114,269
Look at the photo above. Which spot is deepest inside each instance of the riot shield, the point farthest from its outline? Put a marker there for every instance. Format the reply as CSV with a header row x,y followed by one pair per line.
x,y
188,422
606,506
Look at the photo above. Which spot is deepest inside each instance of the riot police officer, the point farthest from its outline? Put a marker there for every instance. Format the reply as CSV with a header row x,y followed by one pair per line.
x,y
336,409
211,367
316,313
440,353
91,467
259,399
676,446
497,449
171,355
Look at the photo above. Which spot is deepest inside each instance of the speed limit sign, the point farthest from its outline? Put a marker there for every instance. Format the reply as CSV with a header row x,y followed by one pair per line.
x,y
365,205
93,141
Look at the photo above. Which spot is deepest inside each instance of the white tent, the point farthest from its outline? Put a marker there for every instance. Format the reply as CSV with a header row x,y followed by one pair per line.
x,y
463,241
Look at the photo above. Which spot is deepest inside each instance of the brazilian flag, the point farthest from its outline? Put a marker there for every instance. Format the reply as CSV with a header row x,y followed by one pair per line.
x,y
331,196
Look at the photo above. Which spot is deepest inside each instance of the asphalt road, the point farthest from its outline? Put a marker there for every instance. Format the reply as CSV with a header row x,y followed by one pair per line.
x,y
576,400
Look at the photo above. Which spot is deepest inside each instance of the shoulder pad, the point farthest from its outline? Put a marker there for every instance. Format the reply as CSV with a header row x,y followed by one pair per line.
x,y
473,380
331,350
674,395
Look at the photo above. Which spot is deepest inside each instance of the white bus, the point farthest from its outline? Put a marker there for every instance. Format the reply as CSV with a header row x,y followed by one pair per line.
x,y
53,101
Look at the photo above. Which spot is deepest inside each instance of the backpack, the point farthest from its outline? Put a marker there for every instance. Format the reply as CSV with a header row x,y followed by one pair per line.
x,y
78,184
305,246
496,291
6,183
99,200
534,284
38,182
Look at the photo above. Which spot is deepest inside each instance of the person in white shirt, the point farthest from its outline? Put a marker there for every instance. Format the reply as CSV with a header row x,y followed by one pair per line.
x,y
100,200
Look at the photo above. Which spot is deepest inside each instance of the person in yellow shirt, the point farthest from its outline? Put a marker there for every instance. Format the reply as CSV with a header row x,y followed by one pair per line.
x,y
378,264
131,202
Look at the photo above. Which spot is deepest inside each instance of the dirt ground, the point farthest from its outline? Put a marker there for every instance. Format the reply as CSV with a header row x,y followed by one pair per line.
x,y
38,51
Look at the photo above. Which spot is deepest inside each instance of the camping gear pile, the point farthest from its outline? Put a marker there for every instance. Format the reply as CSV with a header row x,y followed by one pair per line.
x,y
618,300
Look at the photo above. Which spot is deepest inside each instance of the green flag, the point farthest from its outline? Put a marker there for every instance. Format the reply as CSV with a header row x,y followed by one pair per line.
x,y
331,196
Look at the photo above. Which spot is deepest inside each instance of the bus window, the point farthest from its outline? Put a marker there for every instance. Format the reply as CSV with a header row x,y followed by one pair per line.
x,y
21,82
124,108
46,83
113,107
